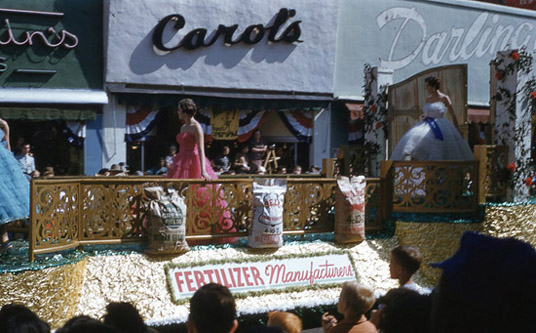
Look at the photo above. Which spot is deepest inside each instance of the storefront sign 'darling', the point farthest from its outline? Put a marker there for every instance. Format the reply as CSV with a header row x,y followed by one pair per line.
x,y
251,35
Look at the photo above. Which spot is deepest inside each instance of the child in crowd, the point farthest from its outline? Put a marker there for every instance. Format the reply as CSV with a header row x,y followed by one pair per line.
x,y
355,300
222,160
241,165
404,263
286,321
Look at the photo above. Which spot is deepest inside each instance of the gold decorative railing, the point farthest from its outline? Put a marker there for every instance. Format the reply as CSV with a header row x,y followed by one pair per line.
x,y
68,213
492,169
427,186
72,212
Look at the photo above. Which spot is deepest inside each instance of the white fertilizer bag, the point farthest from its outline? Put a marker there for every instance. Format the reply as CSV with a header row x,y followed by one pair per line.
x,y
350,210
167,221
266,229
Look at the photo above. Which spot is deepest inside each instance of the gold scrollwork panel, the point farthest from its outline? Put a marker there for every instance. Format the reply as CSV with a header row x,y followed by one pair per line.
x,y
55,221
435,186
110,210
307,205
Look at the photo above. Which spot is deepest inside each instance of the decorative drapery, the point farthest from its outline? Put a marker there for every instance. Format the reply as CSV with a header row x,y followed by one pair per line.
x,y
74,132
299,123
139,122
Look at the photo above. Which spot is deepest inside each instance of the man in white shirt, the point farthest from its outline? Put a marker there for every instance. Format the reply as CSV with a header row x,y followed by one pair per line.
x,y
26,160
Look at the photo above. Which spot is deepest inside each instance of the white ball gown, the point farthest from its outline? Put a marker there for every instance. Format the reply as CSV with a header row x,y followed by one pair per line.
x,y
432,139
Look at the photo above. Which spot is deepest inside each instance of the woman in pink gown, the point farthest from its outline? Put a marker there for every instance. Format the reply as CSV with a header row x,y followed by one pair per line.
x,y
191,163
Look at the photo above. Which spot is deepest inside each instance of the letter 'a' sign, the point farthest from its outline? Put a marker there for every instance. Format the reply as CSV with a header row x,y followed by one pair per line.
x,y
267,275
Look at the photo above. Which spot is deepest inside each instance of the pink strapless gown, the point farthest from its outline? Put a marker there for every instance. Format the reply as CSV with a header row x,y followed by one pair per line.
x,y
186,165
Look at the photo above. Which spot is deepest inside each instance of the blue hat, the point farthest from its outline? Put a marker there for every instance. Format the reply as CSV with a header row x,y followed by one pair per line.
x,y
487,270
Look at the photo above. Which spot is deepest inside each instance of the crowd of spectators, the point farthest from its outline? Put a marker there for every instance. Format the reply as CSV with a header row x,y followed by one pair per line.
x,y
486,286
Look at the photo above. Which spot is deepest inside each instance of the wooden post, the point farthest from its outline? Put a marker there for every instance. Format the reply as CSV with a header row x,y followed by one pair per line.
x,y
375,79
480,154
33,234
512,121
386,190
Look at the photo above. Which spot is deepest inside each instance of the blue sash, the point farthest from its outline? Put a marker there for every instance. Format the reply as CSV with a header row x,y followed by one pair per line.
x,y
433,125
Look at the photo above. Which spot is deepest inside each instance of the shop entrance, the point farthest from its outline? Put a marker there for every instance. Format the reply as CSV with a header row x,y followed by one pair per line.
x,y
49,145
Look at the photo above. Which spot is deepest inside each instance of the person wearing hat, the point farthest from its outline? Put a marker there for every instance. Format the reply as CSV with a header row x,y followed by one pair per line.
x,y
49,172
488,285
116,170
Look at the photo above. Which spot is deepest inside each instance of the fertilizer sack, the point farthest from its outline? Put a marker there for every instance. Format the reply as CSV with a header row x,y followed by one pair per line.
x,y
266,229
350,210
166,221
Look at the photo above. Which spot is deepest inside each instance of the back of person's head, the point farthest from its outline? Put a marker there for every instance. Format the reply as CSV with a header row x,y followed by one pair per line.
x,y
17,318
356,298
286,321
124,317
85,324
433,82
405,310
408,257
487,286
213,310
188,106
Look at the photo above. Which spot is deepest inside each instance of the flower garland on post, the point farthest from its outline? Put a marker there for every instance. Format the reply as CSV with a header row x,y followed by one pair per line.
x,y
521,64
374,113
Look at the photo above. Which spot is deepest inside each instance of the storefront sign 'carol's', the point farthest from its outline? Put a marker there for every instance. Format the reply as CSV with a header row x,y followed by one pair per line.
x,y
251,35
265,276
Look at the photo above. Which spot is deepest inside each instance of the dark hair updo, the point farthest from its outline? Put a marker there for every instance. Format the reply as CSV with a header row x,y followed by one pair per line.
x,y
432,82
188,106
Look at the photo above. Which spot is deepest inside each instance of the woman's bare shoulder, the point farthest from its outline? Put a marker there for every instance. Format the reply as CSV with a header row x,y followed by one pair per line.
x,y
445,99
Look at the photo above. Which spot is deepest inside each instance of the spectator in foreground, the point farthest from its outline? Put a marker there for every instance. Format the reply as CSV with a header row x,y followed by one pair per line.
x,y
286,321
124,317
488,286
17,318
85,324
355,300
212,310
403,310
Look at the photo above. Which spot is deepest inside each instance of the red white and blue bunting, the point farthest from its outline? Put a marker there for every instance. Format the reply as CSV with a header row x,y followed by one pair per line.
x,y
299,123
74,132
140,121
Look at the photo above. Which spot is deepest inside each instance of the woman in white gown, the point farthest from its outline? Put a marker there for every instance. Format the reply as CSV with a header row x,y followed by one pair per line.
x,y
434,138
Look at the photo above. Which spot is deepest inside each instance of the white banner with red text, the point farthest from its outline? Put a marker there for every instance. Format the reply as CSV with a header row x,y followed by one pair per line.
x,y
264,276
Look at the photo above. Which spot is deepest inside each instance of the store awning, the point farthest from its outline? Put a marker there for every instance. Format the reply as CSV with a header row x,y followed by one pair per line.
x,y
218,103
356,110
38,113
52,96
476,116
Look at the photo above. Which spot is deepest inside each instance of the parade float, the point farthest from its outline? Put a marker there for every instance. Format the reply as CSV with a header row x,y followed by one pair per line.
x,y
89,238
87,241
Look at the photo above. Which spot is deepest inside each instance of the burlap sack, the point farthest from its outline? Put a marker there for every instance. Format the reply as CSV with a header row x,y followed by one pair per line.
x,y
266,229
167,221
350,210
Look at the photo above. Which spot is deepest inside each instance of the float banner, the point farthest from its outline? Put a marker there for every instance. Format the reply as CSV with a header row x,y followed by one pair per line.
x,y
266,276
